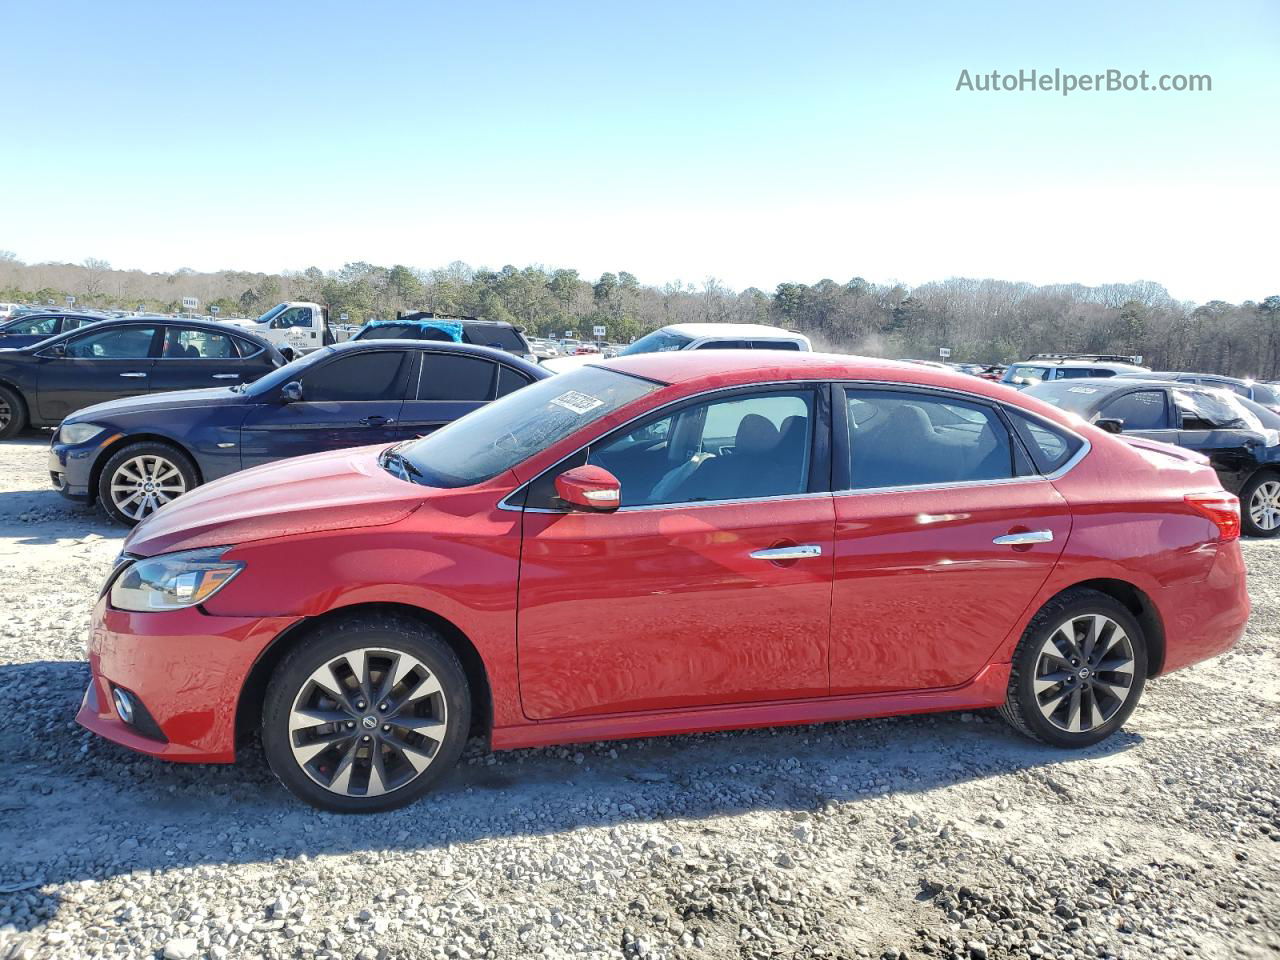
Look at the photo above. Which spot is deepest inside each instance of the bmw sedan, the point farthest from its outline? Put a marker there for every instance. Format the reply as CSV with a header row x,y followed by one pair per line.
x,y
662,544
135,455
43,383
1240,438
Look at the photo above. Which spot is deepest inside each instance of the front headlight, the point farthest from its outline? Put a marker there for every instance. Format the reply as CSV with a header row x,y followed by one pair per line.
x,y
173,581
79,432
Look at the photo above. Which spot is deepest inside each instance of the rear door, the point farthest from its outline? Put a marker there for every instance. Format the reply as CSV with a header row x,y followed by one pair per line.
x,y
192,357
446,386
97,366
930,487
350,400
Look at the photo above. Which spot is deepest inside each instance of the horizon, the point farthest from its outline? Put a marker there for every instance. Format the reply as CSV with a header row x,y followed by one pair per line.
x,y
677,144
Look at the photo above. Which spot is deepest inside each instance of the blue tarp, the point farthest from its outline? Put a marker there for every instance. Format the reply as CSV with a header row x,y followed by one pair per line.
x,y
452,327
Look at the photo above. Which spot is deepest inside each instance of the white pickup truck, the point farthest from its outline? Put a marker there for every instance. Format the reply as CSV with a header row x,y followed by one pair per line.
x,y
295,327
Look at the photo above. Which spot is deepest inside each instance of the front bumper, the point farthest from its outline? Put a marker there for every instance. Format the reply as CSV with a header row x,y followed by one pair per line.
x,y
186,667
71,465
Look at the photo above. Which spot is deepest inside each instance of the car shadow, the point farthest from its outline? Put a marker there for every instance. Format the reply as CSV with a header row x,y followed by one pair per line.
x,y
74,807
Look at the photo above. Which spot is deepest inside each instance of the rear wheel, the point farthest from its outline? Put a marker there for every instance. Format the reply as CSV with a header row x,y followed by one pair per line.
x,y
366,714
1260,505
140,478
13,413
1078,671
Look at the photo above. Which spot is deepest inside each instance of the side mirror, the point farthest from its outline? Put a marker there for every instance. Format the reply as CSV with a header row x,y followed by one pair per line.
x,y
291,392
1110,424
590,488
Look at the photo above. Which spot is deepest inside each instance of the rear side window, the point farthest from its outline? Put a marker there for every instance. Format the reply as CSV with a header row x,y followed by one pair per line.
x,y
486,335
362,376
1140,410
509,381
455,378
190,343
723,345
1204,411
1050,447
774,345
901,439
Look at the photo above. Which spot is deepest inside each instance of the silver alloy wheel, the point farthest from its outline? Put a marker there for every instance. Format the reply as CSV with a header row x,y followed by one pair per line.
x,y
1084,673
1264,505
143,485
368,722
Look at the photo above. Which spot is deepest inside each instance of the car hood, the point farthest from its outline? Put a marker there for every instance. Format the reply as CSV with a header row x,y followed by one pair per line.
x,y
154,402
337,490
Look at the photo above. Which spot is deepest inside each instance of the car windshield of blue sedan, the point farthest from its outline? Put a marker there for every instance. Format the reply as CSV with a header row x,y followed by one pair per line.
x,y
496,437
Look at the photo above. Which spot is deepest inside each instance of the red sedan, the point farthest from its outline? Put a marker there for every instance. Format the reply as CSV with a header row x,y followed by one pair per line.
x,y
662,544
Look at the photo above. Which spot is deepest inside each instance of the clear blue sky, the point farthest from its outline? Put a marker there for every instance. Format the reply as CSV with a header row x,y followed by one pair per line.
x,y
752,142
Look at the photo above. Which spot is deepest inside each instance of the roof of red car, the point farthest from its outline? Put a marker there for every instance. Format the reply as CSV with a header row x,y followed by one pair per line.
x,y
746,366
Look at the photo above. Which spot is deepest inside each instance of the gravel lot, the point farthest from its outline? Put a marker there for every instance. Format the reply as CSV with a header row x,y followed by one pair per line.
x,y
946,836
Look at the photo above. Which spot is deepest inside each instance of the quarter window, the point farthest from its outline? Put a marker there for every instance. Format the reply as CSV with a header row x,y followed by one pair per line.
x,y
119,343
902,439
509,381
1050,448
363,376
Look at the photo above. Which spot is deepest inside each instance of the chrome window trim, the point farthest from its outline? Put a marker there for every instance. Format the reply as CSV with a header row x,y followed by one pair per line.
x,y
1085,447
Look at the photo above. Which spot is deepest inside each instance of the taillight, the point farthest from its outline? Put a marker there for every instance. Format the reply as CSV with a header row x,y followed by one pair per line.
x,y
1222,508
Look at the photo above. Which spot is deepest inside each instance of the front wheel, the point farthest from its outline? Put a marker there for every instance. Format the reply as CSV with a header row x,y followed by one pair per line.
x,y
1078,671
1260,505
13,413
366,714
140,478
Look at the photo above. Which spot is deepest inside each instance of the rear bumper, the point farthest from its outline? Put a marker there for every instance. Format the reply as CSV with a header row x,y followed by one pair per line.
x,y
1209,618
186,668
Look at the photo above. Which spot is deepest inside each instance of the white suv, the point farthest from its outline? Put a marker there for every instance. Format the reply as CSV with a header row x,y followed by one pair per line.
x,y
699,336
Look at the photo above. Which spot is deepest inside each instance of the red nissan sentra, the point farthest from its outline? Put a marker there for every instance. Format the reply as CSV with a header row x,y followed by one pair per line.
x,y
662,544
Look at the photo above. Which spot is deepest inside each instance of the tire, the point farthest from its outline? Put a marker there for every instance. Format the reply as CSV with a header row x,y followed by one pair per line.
x,y
141,477
13,413
381,764
1260,498
1089,679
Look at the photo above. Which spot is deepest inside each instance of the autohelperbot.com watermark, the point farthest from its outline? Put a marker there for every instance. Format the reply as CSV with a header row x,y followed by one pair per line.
x,y
1065,82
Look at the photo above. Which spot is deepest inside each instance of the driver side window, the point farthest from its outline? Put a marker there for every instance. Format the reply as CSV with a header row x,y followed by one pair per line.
x,y
120,343
736,448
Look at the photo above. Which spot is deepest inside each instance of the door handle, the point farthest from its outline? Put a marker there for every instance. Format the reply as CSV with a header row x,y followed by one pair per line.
x,y
226,376
134,374
376,421
1024,538
787,553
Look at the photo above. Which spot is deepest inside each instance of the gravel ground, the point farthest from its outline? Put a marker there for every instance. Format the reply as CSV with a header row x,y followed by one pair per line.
x,y
946,836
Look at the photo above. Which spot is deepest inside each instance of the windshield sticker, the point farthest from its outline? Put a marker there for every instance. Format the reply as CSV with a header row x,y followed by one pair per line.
x,y
1084,389
578,403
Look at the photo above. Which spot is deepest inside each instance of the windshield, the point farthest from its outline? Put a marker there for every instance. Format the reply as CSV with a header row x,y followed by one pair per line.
x,y
282,375
1022,373
660,341
271,314
515,427
1079,398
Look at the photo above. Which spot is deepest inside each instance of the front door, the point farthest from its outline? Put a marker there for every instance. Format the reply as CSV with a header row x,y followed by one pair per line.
x,y
351,400
1145,413
940,545
95,367
711,584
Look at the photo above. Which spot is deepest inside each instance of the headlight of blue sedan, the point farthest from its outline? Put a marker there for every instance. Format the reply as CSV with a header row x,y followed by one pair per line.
x,y
79,432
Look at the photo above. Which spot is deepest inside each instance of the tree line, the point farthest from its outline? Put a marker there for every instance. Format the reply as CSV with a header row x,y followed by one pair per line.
x,y
985,321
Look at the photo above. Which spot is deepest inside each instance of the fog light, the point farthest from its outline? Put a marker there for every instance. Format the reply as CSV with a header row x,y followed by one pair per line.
x,y
124,705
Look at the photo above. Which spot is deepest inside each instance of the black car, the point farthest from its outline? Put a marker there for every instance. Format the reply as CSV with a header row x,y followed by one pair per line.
x,y
137,454
34,327
425,325
1267,394
43,383
1241,438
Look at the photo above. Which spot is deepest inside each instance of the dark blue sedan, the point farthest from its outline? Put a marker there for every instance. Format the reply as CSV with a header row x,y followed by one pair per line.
x,y
135,455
